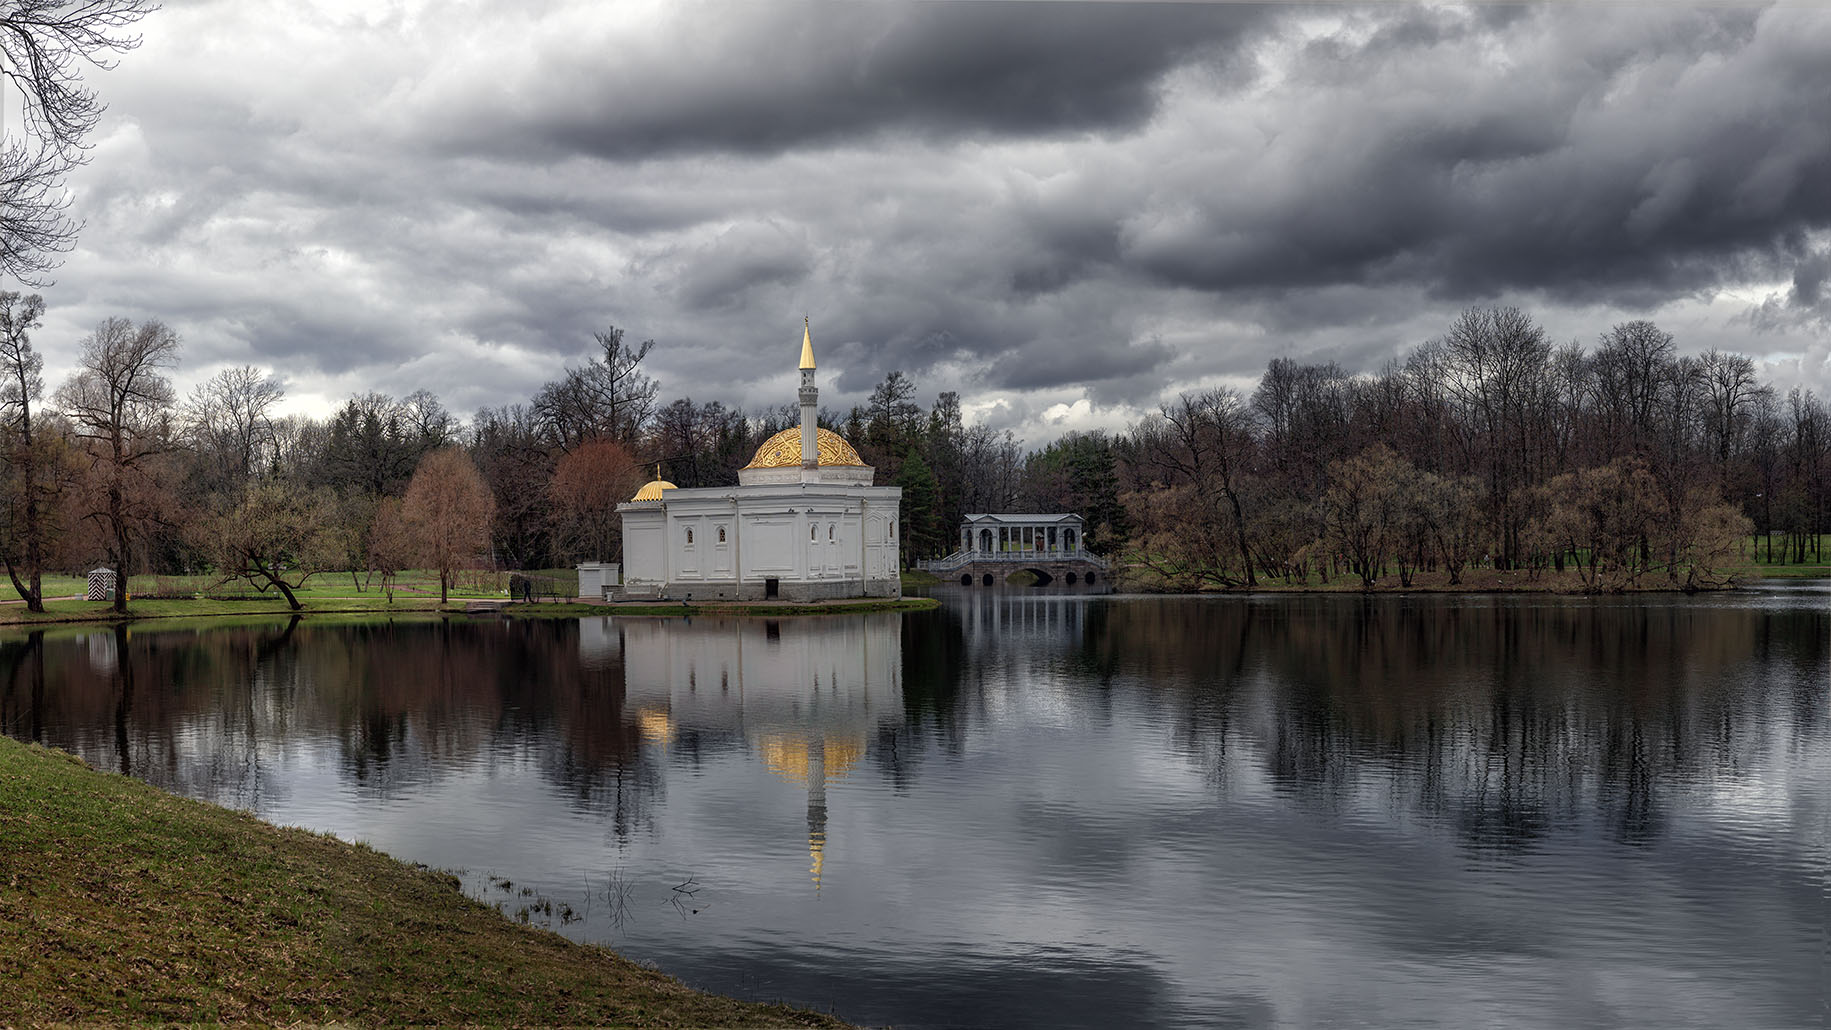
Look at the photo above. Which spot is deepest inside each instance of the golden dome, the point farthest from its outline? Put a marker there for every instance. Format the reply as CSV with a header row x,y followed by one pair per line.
x,y
783,450
651,491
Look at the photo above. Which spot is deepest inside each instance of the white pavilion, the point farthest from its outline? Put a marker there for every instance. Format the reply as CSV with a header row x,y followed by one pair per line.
x,y
803,523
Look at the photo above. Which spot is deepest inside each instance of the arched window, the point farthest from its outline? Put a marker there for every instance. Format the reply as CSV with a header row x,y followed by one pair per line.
x,y
721,534
829,532
813,533
689,538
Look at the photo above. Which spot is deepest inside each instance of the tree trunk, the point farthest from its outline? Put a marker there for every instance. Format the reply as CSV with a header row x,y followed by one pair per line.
x,y
117,522
278,582
33,603
120,580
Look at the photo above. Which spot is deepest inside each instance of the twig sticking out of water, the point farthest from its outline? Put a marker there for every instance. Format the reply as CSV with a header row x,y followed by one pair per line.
x,y
618,894
683,897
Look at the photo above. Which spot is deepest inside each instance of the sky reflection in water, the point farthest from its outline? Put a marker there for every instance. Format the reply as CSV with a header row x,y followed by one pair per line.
x,y
1051,810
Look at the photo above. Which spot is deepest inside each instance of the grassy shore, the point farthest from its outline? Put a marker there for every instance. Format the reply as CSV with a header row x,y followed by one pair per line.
x,y
120,903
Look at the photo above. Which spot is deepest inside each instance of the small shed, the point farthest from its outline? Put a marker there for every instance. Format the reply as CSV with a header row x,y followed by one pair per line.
x,y
101,585
594,577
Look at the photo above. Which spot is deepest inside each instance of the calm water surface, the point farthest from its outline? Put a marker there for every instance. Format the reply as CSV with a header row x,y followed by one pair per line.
x,y
1056,810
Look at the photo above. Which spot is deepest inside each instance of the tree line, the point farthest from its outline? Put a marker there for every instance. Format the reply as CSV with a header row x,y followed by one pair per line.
x,y
1488,447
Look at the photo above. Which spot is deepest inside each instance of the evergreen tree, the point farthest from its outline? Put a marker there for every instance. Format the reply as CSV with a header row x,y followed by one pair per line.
x,y
921,510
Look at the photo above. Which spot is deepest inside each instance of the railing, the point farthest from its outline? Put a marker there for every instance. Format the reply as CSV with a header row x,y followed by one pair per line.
x,y
961,559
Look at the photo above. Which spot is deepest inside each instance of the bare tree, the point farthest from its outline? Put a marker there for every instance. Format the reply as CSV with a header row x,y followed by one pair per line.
x,y
120,404
609,397
277,536
44,45
586,487
391,543
1731,384
450,508
425,414
228,418
21,386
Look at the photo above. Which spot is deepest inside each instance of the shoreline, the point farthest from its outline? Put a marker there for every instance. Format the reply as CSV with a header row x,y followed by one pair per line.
x,y
124,903
14,615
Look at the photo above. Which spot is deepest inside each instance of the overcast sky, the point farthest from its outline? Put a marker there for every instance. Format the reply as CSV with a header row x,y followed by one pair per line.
x,y
1065,211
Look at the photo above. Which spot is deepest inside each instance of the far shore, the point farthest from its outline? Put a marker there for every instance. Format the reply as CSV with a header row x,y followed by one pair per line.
x,y
65,611
1479,580
322,603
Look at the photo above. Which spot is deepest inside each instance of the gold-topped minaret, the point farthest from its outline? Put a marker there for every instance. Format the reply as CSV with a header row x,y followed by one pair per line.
x,y
810,450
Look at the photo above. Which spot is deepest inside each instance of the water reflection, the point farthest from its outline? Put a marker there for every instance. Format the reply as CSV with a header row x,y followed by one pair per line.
x,y
1062,809
807,694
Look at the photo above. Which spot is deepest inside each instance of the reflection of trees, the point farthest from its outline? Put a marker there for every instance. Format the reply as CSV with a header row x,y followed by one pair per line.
x,y
1504,717
1507,719
405,705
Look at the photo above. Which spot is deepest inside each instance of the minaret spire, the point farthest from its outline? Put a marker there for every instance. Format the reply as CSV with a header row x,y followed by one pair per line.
x,y
810,398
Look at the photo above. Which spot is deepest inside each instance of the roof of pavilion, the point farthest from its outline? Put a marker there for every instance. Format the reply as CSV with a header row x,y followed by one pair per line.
x,y
1005,518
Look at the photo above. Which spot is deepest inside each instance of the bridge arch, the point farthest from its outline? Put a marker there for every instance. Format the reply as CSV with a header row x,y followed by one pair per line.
x,y
1043,578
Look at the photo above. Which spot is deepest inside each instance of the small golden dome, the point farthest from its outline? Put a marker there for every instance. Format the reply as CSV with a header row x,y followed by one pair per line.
x,y
651,491
783,450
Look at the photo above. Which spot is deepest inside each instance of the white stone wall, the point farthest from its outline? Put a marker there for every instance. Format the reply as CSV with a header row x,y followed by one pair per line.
x,y
815,540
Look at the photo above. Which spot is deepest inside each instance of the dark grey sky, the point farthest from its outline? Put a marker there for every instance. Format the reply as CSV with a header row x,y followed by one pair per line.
x,y
1066,211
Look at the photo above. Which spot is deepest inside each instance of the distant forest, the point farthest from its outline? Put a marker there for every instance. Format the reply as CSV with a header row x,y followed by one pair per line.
x,y
1489,447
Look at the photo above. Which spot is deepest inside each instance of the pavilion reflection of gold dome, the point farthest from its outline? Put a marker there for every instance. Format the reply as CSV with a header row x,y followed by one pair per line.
x,y
655,725
788,756
783,450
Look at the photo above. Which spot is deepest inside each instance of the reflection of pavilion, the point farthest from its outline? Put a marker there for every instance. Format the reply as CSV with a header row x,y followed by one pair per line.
x,y
807,693
990,620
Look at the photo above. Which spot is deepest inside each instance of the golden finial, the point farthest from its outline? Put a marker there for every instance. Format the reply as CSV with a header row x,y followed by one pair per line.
x,y
807,343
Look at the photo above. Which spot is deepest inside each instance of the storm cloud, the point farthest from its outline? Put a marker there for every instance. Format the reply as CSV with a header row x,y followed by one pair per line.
x,y
1065,211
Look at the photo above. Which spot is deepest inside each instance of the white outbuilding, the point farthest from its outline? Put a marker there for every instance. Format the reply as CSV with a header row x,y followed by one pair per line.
x,y
803,523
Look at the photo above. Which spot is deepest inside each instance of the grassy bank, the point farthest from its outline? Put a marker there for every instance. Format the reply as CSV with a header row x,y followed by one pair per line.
x,y
120,903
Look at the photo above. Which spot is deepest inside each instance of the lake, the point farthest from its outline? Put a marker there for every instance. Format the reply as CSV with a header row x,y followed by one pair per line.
x,y
1048,809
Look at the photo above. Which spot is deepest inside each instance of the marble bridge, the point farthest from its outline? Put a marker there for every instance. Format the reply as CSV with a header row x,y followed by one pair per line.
x,y
993,546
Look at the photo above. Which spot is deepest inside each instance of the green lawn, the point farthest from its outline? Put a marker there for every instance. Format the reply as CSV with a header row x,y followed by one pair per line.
x,y
1778,569
415,582
120,903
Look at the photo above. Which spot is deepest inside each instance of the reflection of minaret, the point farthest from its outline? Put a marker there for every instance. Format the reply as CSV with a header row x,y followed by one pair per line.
x,y
816,807
809,695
